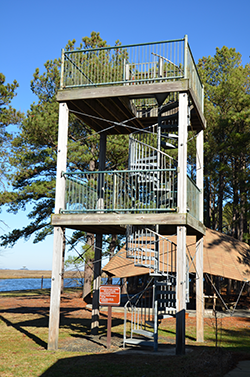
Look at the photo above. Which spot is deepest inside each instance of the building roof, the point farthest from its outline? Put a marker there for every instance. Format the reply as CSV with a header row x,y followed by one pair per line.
x,y
222,256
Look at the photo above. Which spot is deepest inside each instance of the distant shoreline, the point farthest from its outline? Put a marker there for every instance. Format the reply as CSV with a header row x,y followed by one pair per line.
x,y
34,274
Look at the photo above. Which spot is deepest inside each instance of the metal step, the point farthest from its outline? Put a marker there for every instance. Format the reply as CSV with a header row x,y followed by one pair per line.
x,y
168,117
150,323
144,265
149,334
167,145
166,316
144,249
167,311
169,106
139,342
159,292
169,126
172,136
148,158
164,283
165,300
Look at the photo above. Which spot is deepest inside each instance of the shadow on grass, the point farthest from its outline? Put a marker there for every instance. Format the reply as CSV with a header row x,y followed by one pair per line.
x,y
200,362
79,327
232,339
18,327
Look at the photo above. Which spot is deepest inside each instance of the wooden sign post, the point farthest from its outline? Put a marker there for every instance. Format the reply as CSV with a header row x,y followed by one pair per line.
x,y
109,296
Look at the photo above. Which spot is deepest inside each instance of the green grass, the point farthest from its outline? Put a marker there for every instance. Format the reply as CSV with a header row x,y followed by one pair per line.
x,y
23,352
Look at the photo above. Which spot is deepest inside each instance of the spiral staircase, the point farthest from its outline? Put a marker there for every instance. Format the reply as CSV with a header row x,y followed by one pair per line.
x,y
148,151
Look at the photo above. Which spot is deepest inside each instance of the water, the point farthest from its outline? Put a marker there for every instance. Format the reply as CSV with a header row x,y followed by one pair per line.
x,y
25,284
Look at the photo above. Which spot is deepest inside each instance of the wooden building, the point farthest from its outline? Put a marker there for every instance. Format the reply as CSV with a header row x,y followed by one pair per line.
x,y
151,92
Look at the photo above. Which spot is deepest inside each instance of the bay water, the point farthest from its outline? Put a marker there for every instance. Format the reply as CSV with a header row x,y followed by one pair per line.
x,y
26,284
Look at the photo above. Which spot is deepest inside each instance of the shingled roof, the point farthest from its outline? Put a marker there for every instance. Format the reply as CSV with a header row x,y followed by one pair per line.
x,y
222,256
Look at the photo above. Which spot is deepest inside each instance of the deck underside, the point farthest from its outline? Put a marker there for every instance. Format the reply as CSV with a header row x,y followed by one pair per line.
x,y
101,107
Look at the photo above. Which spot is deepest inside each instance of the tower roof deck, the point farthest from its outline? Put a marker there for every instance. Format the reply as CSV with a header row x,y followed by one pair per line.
x,y
120,88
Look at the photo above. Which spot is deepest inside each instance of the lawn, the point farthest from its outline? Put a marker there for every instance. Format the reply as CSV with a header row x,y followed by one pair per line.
x,y
24,334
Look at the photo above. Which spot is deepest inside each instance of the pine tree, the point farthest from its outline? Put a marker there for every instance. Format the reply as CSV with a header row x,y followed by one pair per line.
x,y
227,140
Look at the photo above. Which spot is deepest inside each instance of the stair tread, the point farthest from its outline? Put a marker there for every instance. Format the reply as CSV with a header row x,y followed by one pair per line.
x,y
165,300
137,341
143,332
169,126
165,292
164,283
169,106
167,145
168,117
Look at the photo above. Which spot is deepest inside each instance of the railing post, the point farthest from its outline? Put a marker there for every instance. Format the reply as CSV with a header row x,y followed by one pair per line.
x,y
185,55
114,191
62,70
155,323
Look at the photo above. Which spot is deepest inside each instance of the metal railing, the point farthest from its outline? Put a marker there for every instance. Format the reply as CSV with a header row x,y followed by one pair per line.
x,y
152,250
142,313
193,195
192,74
134,191
124,191
131,65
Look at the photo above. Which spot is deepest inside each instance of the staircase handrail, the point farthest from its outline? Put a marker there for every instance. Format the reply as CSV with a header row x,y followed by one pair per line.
x,y
132,306
153,148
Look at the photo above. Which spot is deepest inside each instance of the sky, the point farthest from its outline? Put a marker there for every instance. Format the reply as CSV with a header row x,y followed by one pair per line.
x,y
36,31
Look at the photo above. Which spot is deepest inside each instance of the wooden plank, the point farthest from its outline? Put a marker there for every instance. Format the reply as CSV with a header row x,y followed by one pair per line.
x,y
195,224
58,242
199,291
131,91
181,230
180,290
199,243
98,240
121,219
198,110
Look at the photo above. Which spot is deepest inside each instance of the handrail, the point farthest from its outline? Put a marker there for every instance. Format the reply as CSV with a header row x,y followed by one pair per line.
x,y
137,318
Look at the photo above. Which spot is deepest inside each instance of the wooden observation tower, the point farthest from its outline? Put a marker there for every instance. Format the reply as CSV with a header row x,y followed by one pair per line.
x,y
151,92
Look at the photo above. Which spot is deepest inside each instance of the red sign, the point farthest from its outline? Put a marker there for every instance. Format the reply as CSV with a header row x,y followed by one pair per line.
x,y
109,295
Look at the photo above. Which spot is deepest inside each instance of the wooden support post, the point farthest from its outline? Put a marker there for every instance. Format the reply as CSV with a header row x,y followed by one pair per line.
x,y
98,244
181,230
199,244
58,231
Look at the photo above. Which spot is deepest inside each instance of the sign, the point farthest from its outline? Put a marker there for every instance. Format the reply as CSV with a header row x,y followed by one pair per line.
x,y
109,295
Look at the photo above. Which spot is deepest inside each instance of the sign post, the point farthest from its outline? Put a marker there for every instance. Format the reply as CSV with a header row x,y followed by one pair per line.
x,y
109,296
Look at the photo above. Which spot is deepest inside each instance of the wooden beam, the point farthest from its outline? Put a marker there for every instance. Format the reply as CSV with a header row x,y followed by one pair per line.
x,y
199,243
181,230
131,91
198,110
54,315
98,243
115,223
